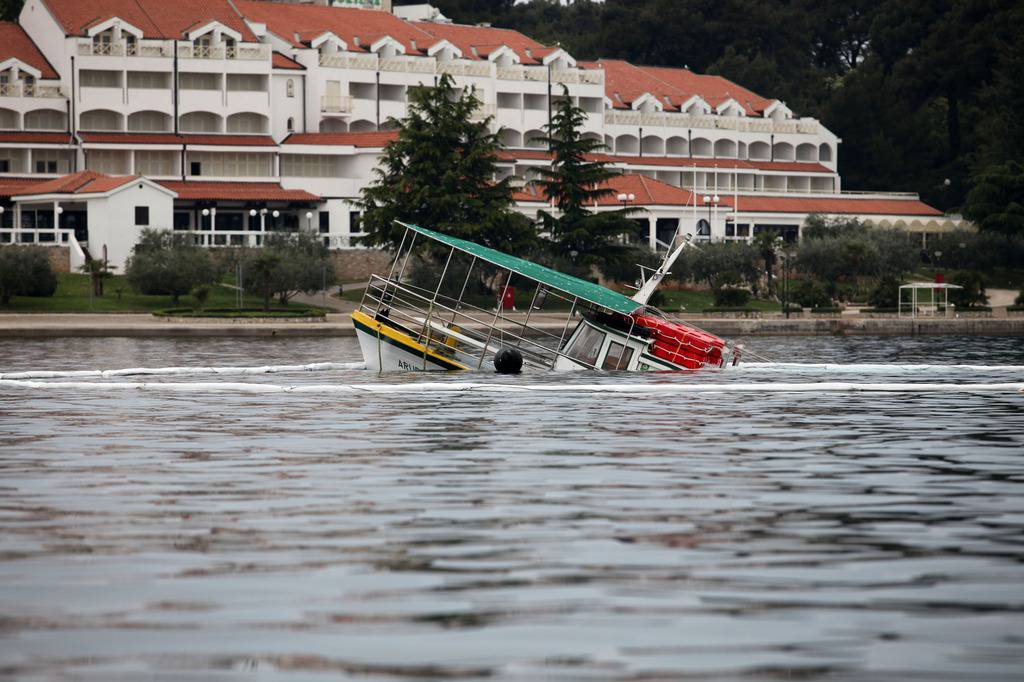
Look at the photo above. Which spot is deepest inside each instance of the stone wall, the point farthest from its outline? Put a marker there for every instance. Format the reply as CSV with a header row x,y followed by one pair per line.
x,y
60,258
359,264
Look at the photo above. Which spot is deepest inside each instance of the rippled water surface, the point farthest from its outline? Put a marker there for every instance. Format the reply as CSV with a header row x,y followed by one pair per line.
x,y
557,535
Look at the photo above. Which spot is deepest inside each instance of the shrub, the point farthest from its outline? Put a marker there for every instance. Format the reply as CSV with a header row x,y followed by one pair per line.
x,y
886,293
25,271
810,294
164,262
973,292
731,296
1020,298
288,264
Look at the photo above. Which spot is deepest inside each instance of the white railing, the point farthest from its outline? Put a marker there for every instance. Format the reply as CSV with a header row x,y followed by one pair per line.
x,y
510,73
227,238
335,104
407,65
41,237
238,52
349,61
30,90
535,73
465,68
570,76
743,124
88,48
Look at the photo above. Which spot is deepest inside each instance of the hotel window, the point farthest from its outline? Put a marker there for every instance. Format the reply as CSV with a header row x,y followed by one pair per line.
x,y
195,168
91,78
291,125
309,166
182,220
325,222
148,80
142,215
198,81
354,223
5,166
289,88
49,161
46,166
155,163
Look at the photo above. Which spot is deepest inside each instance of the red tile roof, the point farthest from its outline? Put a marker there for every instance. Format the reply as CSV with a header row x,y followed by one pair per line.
x,y
10,187
236,191
647,192
161,19
847,205
486,40
300,23
625,82
82,182
372,139
714,89
14,42
171,138
281,61
30,137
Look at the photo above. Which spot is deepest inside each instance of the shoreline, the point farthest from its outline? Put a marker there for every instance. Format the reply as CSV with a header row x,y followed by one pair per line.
x,y
96,325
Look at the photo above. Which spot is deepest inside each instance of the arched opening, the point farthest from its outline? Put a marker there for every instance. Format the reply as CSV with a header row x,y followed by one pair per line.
x,y
725,149
510,138
333,125
102,119
149,121
246,122
825,152
46,119
362,126
759,151
290,125
200,122
9,120
654,145
533,139
784,152
701,147
627,144
390,124
806,152
596,137
677,146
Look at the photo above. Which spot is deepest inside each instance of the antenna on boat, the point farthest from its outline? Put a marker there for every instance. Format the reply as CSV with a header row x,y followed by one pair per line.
x,y
650,284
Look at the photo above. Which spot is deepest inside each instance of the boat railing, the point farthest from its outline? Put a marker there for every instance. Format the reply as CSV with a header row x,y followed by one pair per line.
x,y
407,305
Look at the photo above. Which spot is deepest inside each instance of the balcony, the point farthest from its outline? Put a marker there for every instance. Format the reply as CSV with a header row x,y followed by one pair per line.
x,y
237,52
87,48
482,111
335,104
23,90
466,68
407,65
349,61
809,126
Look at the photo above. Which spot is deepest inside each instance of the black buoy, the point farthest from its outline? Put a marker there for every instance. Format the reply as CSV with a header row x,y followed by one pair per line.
x,y
508,361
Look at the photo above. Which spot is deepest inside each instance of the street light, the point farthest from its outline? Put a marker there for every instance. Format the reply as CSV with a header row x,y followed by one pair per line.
x,y
309,220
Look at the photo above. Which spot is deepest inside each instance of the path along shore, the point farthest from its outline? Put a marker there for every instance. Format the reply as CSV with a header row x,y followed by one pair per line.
x,y
43,325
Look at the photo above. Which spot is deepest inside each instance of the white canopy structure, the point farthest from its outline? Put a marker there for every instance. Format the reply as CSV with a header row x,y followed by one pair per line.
x,y
926,307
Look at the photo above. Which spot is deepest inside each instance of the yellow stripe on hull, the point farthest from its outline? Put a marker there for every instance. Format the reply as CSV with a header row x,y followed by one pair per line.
x,y
387,334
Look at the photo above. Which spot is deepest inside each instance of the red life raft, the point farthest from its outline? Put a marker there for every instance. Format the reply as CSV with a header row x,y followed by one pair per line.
x,y
680,344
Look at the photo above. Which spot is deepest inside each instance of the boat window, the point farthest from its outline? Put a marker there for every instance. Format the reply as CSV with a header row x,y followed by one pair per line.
x,y
587,346
618,356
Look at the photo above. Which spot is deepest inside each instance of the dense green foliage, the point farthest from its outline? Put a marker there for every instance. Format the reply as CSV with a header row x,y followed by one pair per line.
x,y
573,183
25,271
973,292
287,264
164,262
919,92
440,173
996,203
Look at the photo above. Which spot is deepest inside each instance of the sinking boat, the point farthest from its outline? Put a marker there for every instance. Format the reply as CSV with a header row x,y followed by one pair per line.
x,y
570,323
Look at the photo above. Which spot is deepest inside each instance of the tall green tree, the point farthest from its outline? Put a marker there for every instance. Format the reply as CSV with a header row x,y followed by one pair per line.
x,y
164,262
574,182
996,204
441,173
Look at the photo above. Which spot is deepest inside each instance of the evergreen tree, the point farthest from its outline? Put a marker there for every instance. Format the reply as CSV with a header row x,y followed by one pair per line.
x,y
440,174
996,203
575,182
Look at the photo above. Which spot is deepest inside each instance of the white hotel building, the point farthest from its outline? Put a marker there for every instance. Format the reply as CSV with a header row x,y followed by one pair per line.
x,y
229,118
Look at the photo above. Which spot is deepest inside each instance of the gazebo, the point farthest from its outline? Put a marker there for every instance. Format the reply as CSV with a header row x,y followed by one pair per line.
x,y
929,306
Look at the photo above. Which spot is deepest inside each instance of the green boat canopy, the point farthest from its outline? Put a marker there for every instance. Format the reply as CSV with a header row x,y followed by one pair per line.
x,y
573,286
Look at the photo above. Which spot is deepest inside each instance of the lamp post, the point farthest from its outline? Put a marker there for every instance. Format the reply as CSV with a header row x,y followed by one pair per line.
x,y
309,220
276,214
710,200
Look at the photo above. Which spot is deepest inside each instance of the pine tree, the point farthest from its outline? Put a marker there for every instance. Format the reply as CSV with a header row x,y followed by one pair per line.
x,y
574,183
440,174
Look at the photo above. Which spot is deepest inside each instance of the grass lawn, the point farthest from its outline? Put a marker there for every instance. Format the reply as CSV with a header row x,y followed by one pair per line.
x,y
72,296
